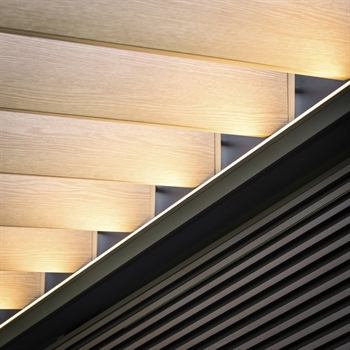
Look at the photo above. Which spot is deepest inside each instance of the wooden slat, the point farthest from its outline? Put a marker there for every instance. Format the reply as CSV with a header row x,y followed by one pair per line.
x,y
75,79
18,289
45,202
44,250
303,37
81,148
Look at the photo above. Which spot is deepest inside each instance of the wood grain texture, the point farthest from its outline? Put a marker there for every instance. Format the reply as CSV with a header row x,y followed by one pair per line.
x,y
75,79
44,250
48,202
303,37
80,148
18,289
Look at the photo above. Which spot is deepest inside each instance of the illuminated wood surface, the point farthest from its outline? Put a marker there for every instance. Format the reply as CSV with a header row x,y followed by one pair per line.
x,y
44,250
303,37
82,80
18,289
48,202
81,148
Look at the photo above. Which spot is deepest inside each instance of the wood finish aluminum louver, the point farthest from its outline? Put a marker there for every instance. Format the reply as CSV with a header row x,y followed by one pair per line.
x,y
18,289
51,202
302,37
67,78
45,250
34,144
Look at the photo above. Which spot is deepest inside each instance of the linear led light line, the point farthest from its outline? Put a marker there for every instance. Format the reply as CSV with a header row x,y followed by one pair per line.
x,y
236,163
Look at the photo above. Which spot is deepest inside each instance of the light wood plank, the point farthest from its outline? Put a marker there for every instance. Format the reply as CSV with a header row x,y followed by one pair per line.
x,y
44,250
18,289
47,202
68,78
81,148
303,37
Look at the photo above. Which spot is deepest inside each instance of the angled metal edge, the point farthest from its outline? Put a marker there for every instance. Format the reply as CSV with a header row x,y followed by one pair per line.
x,y
275,147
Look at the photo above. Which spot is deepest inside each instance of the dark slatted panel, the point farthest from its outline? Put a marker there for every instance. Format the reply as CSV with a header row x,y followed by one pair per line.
x,y
280,282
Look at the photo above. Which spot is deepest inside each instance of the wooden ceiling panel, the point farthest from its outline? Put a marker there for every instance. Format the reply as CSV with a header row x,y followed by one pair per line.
x,y
81,80
82,148
44,250
303,37
18,289
49,202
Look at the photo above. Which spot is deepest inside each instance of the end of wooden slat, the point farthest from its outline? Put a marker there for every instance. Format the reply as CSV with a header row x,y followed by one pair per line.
x,y
42,283
152,201
94,245
217,153
291,96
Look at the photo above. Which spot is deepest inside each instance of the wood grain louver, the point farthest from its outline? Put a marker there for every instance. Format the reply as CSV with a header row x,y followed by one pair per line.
x,y
82,80
51,202
18,289
44,250
81,148
302,37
